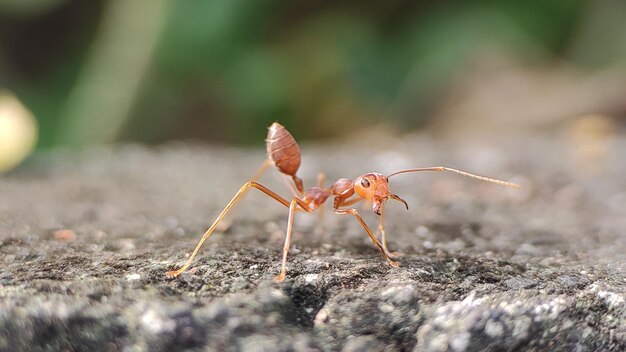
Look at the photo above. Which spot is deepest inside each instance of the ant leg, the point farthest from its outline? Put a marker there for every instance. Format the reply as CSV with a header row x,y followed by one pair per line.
x,y
352,201
319,229
287,180
225,223
369,233
242,191
261,170
381,230
320,180
292,211
293,206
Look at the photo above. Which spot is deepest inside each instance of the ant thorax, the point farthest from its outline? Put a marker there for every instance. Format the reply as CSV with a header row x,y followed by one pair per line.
x,y
342,189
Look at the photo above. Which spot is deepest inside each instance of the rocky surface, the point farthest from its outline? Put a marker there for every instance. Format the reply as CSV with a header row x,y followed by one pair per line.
x,y
85,239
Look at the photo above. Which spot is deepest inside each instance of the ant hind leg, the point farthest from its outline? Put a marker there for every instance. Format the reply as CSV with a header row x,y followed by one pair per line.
x,y
242,191
225,224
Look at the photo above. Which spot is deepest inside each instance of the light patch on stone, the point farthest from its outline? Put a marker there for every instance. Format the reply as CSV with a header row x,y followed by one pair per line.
x,y
133,277
493,328
612,299
550,309
155,324
386,308
311,277
321,317
459,342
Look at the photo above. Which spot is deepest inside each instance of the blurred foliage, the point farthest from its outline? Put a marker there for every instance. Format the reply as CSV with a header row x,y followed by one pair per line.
x,y
224,70
28,7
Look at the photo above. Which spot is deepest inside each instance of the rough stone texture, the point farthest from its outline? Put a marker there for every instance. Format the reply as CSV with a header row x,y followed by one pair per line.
x,y
484,268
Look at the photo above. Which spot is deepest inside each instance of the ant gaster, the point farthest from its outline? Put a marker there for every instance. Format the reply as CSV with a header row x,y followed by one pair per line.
x,y
284,153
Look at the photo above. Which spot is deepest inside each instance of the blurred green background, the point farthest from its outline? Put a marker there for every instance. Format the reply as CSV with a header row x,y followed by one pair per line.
x,y
150,71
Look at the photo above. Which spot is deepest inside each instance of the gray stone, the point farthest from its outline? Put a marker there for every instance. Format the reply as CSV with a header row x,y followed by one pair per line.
x,y
487,269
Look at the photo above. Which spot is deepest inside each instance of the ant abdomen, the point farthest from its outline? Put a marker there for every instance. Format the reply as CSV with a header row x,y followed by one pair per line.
x,y
284,152
283,149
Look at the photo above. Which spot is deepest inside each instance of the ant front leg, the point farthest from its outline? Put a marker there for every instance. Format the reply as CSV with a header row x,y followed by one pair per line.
x,y
381,230
369,233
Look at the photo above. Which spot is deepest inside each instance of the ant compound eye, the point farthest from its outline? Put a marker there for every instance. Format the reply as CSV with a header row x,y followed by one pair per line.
x,y
365,183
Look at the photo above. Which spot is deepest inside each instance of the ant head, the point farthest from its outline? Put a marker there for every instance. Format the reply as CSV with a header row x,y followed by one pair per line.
x,y
374,187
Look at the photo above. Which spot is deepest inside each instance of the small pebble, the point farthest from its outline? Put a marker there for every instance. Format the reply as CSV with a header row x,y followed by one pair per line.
x,y
64,235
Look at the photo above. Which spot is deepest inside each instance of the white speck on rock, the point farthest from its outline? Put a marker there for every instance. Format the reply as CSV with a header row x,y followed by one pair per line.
x,y
493,328
133,277
386,308
460,341
521,327
422,231
156,324
472,301
321,317
310,277
389,291
612,299
550,309
439,343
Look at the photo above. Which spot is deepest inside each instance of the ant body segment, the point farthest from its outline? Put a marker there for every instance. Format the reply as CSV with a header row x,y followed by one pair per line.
x,y
284,153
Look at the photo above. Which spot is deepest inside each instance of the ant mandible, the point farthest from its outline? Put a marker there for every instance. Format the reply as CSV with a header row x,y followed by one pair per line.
x,y
284,153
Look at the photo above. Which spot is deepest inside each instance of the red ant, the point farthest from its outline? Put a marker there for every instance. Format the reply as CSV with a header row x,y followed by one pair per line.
x,y
373,187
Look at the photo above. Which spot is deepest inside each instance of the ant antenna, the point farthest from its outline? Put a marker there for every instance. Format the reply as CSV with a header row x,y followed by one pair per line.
x,y
463,173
